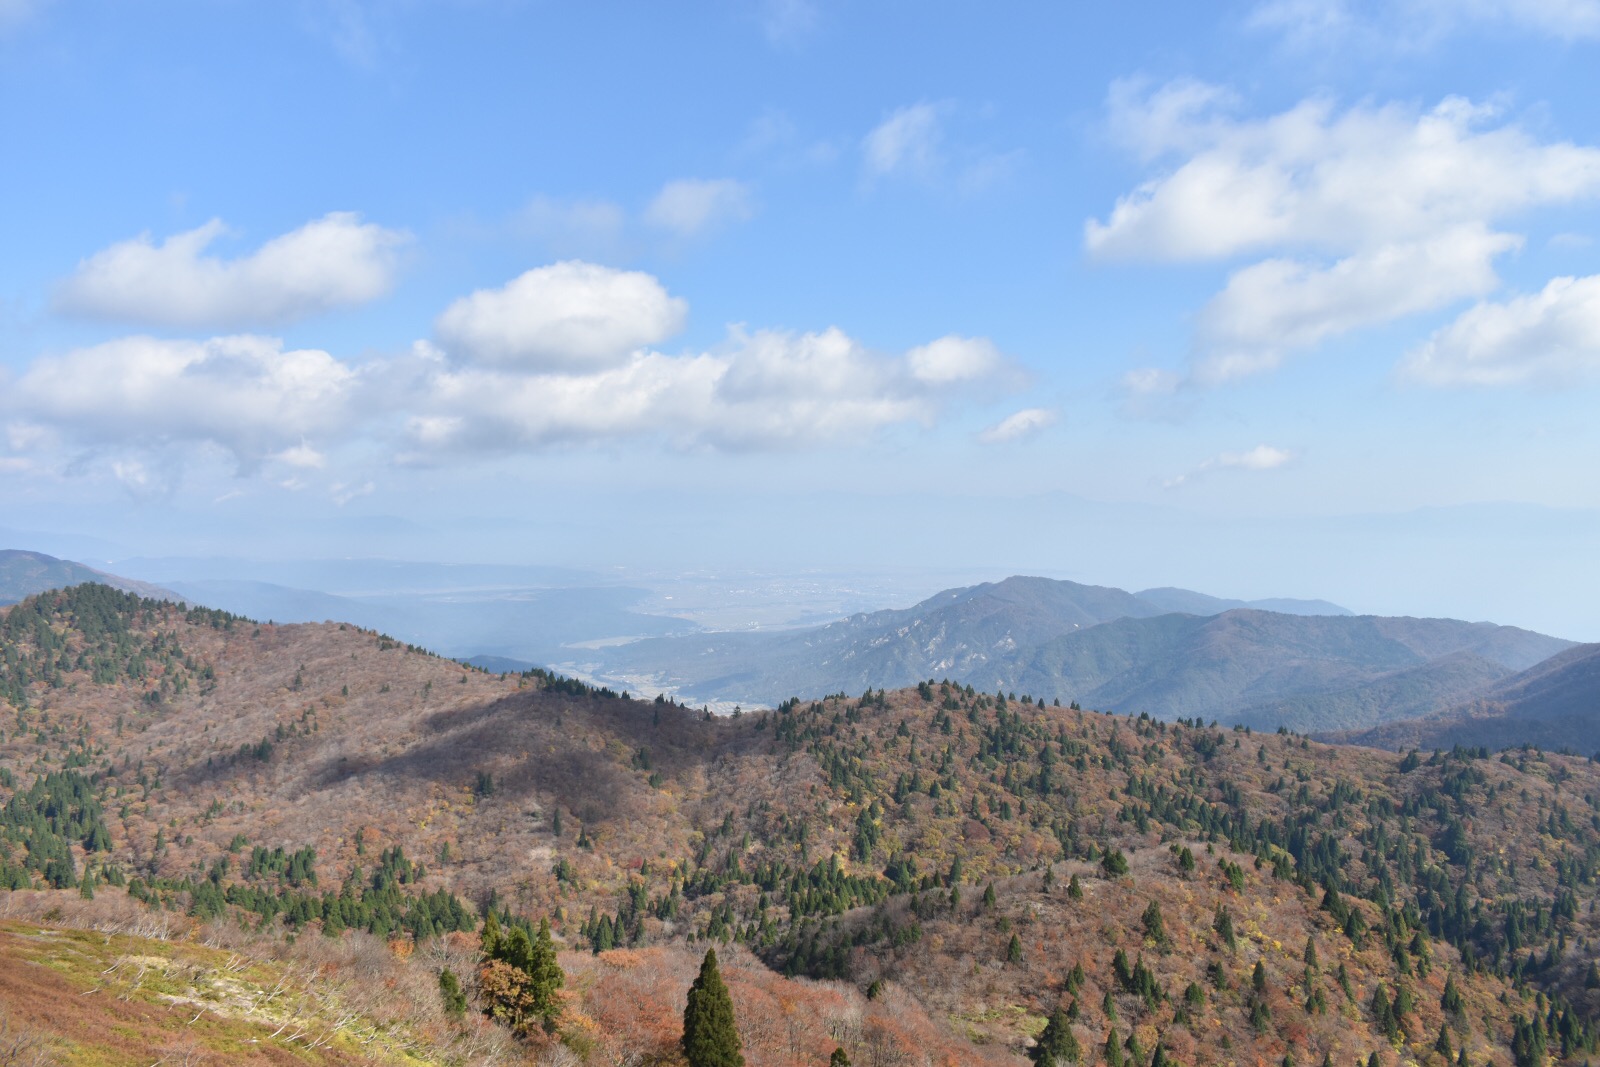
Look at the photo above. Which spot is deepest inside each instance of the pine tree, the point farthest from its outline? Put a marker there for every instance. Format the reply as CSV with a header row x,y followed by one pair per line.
x,y
1451,1000
546,978
1155,927
489,945
839,1058
1014,950
1074,889
1113,1050
1056,1044
710,1038
455,1001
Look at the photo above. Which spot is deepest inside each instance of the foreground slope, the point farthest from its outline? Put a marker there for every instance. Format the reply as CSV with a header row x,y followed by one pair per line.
x,y
976,861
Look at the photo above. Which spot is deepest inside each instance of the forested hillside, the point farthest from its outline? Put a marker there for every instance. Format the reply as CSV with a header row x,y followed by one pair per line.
x,y
929,875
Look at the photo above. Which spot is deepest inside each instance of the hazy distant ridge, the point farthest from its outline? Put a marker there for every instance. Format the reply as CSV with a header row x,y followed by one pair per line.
x,y
1320,668
24,573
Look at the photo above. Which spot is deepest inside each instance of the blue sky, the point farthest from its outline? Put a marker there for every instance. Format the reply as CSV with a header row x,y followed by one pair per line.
x,y
1292,297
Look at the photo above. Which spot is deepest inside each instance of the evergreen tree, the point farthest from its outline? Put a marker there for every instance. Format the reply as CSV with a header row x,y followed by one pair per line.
x,y
489,945
1155,927
455,1001
710,1038
1014,950
839,1058
545,978
1056,1044
1113,1049
1074,889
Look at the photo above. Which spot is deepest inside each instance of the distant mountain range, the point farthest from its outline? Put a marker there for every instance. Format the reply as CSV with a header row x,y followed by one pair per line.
x,y
1554,705
24,573
525,625
1309,665
1318,668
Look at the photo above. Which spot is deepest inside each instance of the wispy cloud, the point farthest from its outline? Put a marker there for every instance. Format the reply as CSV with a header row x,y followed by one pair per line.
x,y
1259,458
907,142
1421,23
912,142
690,206
1018,426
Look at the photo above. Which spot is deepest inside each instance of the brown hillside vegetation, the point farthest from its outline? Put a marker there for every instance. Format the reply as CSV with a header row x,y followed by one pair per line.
x,y
959,856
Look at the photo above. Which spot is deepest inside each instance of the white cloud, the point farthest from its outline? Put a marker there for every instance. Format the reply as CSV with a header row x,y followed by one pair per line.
x,y
953,359
1549,336
1311,177
1278,305
691,205
1259,458
1018,426
244,394
1365,215
761,390
561,356
301,456
905,142
1410,23
567,316
335,261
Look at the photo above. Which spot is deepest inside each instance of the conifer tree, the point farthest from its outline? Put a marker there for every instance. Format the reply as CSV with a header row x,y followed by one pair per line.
x,y
839,1058
455,1001
1113,1049
489,945
545,978
1056,1045
1075,889
710,1038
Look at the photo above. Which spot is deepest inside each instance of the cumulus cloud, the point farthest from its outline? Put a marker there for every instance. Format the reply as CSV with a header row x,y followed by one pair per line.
x,y
761,390
1313,177
561,356
691,205
244,394
1549,336
567,316
1364,215
1259,458
1279,305
1018,426
335,261
953,359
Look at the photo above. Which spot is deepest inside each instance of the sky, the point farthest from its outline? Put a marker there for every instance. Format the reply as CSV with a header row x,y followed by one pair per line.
x,y
1264,298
